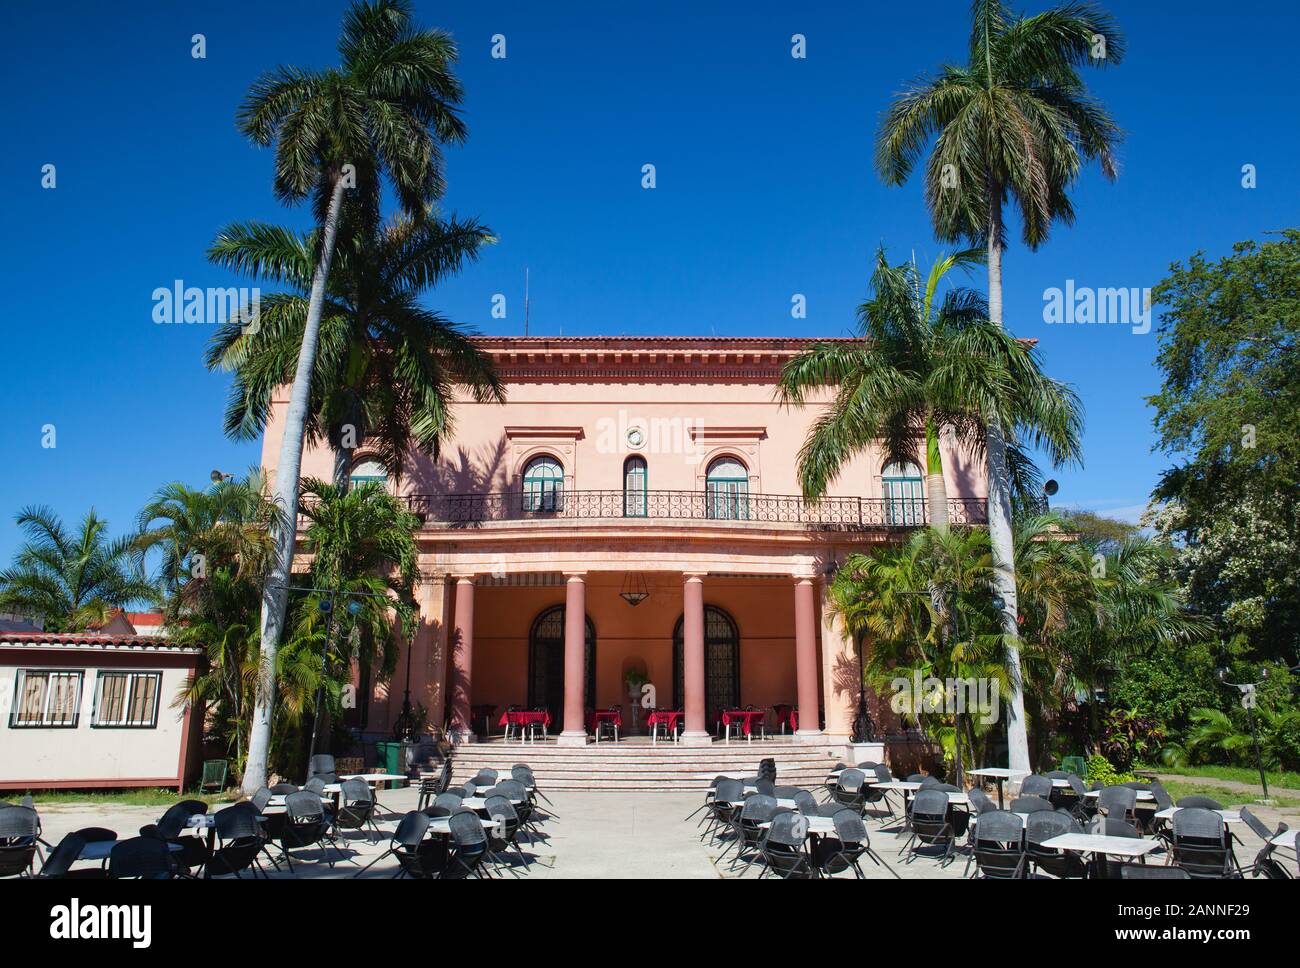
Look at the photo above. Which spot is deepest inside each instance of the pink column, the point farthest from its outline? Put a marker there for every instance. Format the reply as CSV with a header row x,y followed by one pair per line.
x,y
805,654
693,660
575,661
462,660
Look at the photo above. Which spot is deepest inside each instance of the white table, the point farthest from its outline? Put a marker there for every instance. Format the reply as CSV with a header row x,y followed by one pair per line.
x,y
480,803
1229,816
816,825
1286,838
373,777
1141,794
1000,775
100,849
1100,844
442,825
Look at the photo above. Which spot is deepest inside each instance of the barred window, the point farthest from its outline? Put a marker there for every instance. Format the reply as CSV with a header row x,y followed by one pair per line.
x,y
44,697
127,699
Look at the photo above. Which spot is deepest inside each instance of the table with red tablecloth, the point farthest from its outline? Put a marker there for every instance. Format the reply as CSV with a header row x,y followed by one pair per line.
x,y
664,717
746,717
605,716
525,717
786,715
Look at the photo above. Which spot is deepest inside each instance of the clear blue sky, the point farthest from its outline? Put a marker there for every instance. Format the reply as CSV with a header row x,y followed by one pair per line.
x,y
765,188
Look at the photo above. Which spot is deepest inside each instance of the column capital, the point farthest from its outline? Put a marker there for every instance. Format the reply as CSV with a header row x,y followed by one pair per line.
x,y
464,578
803,579
694,575
575,575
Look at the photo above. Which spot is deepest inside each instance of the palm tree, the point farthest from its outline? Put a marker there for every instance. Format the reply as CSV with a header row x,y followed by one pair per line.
x,y
918,370
213,547
71,580
386,366
363,554
389,106
926,606
1016,122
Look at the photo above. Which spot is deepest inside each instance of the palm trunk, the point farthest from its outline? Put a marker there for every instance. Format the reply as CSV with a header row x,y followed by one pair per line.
x,y
936,489
999,513
343,469
275,594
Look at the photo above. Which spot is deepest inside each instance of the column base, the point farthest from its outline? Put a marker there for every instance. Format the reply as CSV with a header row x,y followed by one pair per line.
x,y
700,738
571,738
864,752
810,735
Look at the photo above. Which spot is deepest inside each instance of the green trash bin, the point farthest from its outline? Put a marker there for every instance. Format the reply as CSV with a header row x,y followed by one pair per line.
x,y
390,760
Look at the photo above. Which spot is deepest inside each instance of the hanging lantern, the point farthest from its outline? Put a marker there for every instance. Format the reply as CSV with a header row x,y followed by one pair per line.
x,y
634,590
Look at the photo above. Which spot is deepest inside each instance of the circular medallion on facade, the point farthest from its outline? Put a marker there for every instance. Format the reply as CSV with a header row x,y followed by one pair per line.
x,y
636,438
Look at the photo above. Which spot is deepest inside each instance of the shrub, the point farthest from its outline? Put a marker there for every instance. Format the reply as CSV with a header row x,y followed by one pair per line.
x,y
1100,770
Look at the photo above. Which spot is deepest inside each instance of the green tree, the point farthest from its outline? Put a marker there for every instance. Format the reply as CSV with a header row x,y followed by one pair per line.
x,y
920,369
212,548
71,579
1015,123
389,106
364,562
1229,334
385,366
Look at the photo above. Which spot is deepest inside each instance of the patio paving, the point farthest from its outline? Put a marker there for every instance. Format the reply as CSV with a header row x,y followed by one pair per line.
x,y
596,835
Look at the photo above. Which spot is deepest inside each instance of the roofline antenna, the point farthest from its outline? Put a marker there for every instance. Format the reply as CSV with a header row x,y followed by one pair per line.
x,y
525,301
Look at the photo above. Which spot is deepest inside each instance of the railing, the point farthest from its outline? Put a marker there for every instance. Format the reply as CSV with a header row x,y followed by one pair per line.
x,y
828,514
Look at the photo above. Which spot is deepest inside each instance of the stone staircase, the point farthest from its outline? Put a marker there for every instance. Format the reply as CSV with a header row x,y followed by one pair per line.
x,y
638,765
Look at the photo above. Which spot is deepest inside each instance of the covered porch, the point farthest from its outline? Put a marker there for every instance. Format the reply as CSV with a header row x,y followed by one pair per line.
x,y
700,643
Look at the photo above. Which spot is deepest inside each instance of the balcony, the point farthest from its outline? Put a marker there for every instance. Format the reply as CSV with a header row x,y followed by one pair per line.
x,y
828,514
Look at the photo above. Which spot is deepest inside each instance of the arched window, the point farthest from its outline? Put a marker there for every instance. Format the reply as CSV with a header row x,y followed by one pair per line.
x,y
546,663
727,489
721,662
543,484
635,484
904,495
369,472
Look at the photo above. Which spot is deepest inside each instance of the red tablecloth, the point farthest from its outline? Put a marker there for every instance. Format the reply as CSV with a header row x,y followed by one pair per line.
x,y
786,715
605,716
523,717
747,717
665,718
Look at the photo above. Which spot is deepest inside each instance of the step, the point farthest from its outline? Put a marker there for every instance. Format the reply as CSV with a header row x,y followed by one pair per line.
x,y
643,767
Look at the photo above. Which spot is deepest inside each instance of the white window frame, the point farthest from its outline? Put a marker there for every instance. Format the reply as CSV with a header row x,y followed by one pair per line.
x,y
46,721
132,677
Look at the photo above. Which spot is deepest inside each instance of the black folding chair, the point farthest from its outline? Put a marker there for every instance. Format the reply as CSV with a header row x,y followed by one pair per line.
x,y
998,846
1199,844
832,855
934,823
783,848
356,809
141,858
240,839
411,849
1264,864
1041,827
469,846
19,830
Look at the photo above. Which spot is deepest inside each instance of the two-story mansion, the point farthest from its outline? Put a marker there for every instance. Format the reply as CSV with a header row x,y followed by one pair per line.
x,y
634,508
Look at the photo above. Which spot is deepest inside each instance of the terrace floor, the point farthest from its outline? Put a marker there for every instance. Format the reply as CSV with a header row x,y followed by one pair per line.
x,y
595,835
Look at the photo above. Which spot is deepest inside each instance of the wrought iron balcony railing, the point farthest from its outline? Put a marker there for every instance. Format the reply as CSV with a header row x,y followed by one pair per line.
x,y
832,513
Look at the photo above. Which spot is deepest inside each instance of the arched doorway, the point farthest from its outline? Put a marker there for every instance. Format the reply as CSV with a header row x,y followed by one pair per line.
x,y
721,662
546,664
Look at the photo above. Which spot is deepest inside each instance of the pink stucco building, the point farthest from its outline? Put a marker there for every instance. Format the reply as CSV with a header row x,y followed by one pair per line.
x,y
622,466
